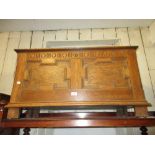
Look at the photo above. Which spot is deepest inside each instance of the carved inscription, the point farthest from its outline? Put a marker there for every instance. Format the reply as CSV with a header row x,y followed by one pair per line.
x,y
69,55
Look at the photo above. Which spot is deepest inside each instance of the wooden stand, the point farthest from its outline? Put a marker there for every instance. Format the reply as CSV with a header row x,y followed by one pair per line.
x,y
33,119
80,120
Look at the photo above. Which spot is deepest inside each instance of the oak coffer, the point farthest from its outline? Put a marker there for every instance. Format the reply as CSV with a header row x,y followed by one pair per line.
x,y
99,76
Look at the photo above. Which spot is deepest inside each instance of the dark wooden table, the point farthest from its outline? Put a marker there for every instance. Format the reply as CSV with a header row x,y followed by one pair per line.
x,y
81,120
33,119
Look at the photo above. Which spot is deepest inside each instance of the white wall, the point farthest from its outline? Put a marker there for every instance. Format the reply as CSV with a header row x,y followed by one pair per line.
x,y
37,39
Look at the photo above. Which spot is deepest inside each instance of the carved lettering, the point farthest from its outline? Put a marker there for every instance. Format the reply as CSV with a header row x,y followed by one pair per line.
x,y
68,55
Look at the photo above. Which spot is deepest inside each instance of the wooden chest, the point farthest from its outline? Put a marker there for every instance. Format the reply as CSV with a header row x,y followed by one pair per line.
x,y
102,76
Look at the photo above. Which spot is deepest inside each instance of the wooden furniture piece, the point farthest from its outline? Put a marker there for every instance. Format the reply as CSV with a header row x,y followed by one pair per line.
x,y
77,77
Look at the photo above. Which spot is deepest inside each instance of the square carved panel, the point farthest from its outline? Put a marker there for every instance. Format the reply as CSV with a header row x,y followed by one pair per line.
x,y
106,73
46,75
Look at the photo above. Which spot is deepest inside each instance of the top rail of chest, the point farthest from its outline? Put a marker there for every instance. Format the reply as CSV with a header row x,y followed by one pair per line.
x,y
75,48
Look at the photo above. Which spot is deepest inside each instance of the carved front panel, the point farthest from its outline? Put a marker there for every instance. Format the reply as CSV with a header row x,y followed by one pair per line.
x,y
46,75
42,76
106,73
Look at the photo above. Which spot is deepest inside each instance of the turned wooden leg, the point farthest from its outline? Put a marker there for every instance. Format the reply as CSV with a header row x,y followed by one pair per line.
x,y
13,113
141,111
143,130
26,131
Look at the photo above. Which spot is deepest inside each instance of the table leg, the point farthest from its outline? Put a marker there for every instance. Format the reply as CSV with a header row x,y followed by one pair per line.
x,y
143,130
26,131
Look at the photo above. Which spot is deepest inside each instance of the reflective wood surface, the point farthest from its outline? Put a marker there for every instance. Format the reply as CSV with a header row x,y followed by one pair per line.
x,y
80,120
